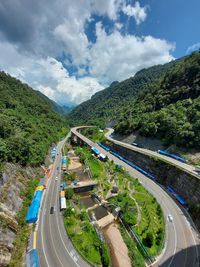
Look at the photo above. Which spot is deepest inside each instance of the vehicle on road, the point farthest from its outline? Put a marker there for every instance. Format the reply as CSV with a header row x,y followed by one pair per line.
x,y
134,144
56,178
61,187
197,169
63,204
51,210
170,218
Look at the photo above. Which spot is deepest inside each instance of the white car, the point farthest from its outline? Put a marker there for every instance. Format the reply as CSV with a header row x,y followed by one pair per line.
x,y
56,178
170,218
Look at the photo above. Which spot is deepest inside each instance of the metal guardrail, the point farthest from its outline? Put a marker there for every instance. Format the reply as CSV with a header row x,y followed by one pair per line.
x,y
137,239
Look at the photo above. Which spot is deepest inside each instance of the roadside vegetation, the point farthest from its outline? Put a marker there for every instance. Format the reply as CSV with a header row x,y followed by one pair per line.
x,y
84,235
139,208
95,134
24,230
135,255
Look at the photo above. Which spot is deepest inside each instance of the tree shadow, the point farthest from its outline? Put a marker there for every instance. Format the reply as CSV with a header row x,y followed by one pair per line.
x,y
189,257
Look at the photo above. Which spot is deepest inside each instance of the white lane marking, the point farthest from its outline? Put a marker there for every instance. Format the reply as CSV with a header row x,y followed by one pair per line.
x,y
174,252
172,202
51,232
193,225
162,204
42,223
69,252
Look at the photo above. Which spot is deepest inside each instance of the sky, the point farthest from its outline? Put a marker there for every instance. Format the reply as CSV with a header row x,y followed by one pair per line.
x,y
70,50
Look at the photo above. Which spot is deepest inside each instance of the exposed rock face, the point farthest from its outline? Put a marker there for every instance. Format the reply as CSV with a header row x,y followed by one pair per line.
x,y
13,181
185,184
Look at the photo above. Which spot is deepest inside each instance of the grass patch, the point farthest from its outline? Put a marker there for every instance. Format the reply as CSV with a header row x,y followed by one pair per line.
x,y
84,237
136,257
95,134
151,227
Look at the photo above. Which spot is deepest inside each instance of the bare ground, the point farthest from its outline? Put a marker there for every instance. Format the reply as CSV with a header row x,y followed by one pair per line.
x,y
119,250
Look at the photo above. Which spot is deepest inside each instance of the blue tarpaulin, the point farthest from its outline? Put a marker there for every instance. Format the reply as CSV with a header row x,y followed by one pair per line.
x,y
32,258
32,214
172,155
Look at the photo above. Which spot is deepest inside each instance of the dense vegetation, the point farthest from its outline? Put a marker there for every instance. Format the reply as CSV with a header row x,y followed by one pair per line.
x,y
105,105
162,101
140,209
28,122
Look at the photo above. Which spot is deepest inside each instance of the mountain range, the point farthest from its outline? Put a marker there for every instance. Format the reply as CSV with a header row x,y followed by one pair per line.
x,y
162,101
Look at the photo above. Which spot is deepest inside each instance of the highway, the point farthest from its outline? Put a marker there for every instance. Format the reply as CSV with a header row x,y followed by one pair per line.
x,y
179,164
53,245
181,235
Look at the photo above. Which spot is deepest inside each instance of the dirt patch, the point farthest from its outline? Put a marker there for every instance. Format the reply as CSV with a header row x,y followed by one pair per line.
x,y
118,249
74,164
82,175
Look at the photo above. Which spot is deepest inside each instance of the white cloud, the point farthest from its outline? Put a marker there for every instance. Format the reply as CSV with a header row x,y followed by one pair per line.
x,y
117,57
193,48
107,7
74,39
59,28
136,11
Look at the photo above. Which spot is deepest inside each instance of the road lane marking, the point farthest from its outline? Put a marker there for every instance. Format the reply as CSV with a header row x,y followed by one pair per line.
x,y
65,230
52,237
162,192
42,223
34,239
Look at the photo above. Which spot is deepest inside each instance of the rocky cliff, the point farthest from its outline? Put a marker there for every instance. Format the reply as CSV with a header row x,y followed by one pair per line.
x,y
13,187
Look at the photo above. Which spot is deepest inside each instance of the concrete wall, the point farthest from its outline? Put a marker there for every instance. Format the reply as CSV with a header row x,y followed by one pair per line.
x,y
187,185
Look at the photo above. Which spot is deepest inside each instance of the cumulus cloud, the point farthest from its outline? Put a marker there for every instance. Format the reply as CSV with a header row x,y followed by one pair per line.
x,y
116,57
48,76
136,11
193,48
40,32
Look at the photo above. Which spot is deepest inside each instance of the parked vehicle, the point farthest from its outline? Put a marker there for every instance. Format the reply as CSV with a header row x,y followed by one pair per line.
x,y
197,169
63,204
51,210
134,144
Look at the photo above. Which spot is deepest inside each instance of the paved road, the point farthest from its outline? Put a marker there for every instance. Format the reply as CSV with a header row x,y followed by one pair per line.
x,y
53,245
180,234
184,166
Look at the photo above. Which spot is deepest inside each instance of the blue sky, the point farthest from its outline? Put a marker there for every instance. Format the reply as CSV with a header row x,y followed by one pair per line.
x,y
69,50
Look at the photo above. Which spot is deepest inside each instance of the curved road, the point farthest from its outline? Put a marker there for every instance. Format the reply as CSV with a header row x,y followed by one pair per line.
x,y
180,233
53,245
184,166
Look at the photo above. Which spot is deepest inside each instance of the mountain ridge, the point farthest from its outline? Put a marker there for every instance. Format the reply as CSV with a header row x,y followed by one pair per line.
x,y
143,102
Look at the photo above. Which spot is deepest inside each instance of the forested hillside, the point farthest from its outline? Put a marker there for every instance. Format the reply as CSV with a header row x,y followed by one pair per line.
x,y
162,101
107,104
28,122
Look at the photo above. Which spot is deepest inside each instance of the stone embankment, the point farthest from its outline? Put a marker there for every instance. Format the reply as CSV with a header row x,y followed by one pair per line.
x,y
187,185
